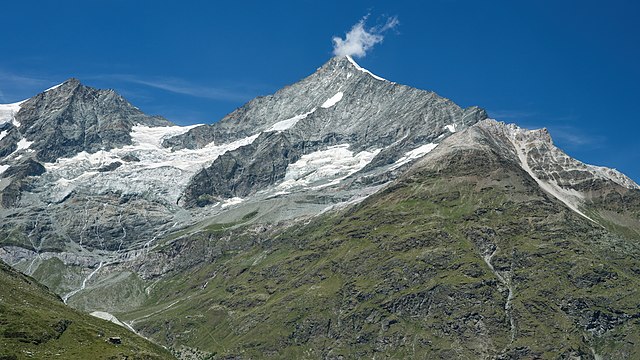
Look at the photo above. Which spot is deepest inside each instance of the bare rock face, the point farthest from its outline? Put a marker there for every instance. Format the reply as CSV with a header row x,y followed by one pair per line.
x,y
8,142
71,118
63,122
339,104
363,106
15,176
242,171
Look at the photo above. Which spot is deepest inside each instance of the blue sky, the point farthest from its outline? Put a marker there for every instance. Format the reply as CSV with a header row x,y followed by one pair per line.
x,y
570,66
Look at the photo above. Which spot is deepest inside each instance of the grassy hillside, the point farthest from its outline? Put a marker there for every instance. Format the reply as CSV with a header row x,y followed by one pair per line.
x,y
466,258
35,324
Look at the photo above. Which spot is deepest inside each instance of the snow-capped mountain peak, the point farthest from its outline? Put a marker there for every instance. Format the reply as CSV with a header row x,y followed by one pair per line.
x,y
341,130
360,68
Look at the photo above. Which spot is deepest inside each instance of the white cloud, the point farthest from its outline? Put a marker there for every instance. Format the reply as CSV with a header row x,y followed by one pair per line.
x,y
359,39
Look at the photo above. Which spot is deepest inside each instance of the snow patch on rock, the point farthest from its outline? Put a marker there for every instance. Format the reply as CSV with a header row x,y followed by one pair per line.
x,y
8,113
54,87
414,154
325,167
360,68
23,144
158,170
146,137
332,100
231,202
289,123
106,316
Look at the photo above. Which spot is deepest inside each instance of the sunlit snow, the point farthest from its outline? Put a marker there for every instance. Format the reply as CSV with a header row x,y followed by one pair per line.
x,y
54,87
360,68
159,170
3,134
414,154
8,113
332,100
326,167
107,316
232,201
152,137
286,124
451,127
23,144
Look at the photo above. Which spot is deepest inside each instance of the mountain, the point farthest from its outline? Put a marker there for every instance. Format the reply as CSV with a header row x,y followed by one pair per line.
x,y
340,105
466,255
34,323
70,118
149,177
343,216
59,123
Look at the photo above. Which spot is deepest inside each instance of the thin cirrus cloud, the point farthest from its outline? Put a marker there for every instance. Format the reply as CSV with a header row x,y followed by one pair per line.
x,y
574,137
15,87
179,86
560,127
510,114
20,79
359,40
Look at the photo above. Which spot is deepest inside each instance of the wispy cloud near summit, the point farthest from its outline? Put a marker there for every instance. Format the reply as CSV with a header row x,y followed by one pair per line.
x,y
183,87
359,39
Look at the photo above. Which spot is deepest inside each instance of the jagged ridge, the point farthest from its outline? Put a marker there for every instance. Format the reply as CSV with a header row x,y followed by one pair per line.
x,y
367,113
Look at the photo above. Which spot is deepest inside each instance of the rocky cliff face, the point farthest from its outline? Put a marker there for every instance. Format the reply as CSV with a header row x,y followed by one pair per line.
x,y
340,104
71,118
61,122
343,100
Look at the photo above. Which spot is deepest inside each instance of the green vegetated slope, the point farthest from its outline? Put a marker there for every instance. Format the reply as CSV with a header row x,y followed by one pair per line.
x,y
35,324
464,257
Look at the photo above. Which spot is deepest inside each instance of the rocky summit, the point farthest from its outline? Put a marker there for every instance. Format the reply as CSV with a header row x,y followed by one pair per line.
x,y
344,216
